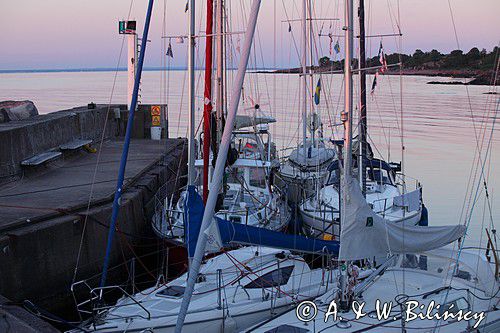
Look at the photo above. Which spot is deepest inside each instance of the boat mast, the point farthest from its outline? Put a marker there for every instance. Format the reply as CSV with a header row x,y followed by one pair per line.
x,y
304,76
128,133
220,68
363,147
311,62
347,119
207,100
219,166
191,93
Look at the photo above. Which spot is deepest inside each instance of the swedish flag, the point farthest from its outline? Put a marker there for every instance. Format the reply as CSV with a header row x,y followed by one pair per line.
x,y
316,93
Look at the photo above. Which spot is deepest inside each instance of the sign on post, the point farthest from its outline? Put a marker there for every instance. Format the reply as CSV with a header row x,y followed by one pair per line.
x,y
127,27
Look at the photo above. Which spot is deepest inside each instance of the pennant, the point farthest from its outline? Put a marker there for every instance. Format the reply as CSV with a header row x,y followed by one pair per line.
x,y
317,92
289,27
169,50
382,59
337,47
331,42
187,7
374,84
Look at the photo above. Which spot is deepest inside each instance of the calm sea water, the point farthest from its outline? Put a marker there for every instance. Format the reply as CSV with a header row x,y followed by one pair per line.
x,y
440,123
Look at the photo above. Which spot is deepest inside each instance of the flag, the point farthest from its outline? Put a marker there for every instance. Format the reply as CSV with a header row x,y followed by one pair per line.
x,y
187,7
317,92
169,50
337,47
382,59
331,42
289,27
374,84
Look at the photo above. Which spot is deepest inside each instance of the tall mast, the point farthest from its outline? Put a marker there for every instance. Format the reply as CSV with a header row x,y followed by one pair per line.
x,y
348,87
347,117
128,134
191,93
220,67
311,57
219,166
304,75
363,128
207,100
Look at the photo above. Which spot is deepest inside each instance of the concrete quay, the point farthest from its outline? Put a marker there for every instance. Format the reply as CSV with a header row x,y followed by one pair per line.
x,y
46,218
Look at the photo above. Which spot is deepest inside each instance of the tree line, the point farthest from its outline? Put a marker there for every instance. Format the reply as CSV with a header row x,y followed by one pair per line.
x,y
420,60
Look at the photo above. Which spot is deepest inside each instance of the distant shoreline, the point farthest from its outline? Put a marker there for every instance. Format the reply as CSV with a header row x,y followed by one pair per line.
x,y
477,77
79,70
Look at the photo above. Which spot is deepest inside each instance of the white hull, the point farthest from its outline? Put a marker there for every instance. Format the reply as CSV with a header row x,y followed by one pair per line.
x,y
318,226
241,302
426,280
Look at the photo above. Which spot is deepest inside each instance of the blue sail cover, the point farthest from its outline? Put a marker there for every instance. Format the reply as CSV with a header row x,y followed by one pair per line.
x,y
193,212
235,233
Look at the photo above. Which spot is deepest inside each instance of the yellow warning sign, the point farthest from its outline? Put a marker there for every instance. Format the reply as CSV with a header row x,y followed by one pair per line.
x,y
155,110
155,120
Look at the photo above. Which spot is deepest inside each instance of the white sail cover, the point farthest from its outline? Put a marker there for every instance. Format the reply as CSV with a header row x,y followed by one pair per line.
x,y
365,234
242,121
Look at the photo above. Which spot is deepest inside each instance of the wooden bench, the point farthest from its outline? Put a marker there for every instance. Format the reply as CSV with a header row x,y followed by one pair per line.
x,y
41,158
75,144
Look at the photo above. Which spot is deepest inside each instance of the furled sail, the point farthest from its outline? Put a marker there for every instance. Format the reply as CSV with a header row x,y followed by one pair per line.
x,y
243,121
365,234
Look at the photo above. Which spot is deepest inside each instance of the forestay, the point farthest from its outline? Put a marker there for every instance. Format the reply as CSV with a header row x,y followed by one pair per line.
x,y
364,234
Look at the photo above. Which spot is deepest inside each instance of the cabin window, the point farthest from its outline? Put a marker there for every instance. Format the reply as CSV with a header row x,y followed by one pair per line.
x,y
275,278
378,175
172,291
235,219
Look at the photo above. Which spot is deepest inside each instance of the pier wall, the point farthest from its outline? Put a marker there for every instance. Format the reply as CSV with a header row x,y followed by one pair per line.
x,y
20,140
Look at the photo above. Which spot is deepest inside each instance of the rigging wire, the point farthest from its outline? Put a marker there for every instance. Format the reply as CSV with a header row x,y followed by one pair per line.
x,y
89,202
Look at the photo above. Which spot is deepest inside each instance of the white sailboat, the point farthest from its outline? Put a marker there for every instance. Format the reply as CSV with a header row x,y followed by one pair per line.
x,y
425,285
321,212
234,291
385,186
429,284
248,195
305,169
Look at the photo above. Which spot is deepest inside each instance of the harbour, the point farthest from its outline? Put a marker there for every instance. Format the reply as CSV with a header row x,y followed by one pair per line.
x,y
231,195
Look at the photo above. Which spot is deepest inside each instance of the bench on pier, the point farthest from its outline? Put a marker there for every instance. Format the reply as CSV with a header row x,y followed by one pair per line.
x,y
75,144
41,158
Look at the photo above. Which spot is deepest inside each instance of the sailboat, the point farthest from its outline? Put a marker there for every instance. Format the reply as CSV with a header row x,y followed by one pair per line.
x,y
234,290
426,284
306,167
431,284
384,184
248,198
248,195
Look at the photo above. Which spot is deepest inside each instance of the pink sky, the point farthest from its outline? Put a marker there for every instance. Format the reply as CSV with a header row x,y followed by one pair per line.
x,y
83,34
